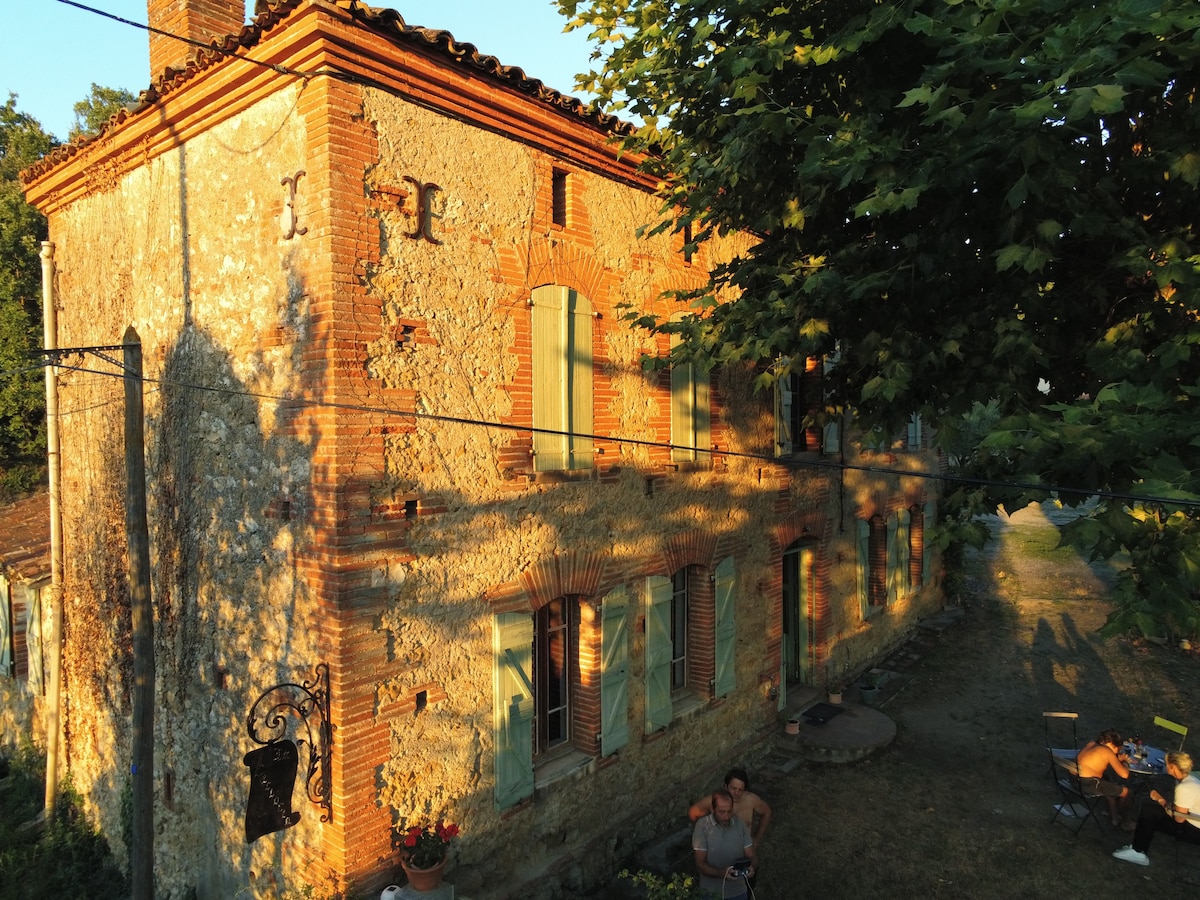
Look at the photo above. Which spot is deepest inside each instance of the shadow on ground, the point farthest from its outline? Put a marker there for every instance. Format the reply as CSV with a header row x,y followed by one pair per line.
x,y
959,805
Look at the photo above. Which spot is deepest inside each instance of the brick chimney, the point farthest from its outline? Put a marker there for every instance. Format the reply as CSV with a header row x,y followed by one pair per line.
x,y
199,20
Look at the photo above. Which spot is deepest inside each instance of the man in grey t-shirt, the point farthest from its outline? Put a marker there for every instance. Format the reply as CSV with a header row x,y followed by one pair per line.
x,y
718,840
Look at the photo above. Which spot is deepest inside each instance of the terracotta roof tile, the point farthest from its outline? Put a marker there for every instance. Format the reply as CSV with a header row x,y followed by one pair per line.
x,y
385,21
25,538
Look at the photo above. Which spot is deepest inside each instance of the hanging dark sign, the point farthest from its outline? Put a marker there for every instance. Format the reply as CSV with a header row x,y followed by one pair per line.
x,y
272,777
301,710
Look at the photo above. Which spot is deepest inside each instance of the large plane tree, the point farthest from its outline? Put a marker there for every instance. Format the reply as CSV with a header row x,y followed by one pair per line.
x,y
957,203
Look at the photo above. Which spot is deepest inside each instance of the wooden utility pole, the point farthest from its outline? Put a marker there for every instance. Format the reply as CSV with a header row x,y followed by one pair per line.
x,y
137,534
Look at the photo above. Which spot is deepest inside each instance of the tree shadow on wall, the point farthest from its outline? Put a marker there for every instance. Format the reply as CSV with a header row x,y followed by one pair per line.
x,y
229,471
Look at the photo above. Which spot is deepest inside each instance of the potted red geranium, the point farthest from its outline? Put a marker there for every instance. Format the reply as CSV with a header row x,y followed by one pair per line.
x,y
423,852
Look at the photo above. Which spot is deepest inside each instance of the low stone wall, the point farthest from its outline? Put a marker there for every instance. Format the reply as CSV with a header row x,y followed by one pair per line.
x,y
20,722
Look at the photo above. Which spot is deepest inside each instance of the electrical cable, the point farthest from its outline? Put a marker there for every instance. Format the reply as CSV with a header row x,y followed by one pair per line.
x,y
784,462
282,70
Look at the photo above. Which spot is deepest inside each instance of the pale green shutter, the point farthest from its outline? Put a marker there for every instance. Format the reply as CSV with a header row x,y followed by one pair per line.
x,y
691,417
514,709
658,652
702,414
578,397
614,671
726,630
6,630
863,569
914,432
549,364
927,525
33,639
781,700
682,400
903,554
893,569
681,412
783,416
831,438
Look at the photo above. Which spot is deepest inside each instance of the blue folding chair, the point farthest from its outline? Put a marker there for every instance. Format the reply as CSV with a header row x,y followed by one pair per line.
x,y
1062,752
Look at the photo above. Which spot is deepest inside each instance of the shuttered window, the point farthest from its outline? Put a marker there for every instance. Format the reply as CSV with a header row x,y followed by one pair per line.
x,y
659,592
562,379
916,435
614,671
33,640
514,708
799,396
690,412
726,630
784,424
898,555
6,631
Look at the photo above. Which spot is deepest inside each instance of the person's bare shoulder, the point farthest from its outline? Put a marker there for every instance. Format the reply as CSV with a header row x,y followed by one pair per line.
x,y
753,801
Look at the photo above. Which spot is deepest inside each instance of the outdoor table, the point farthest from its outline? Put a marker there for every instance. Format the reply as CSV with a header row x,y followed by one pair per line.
x,y
1149,774
1154,762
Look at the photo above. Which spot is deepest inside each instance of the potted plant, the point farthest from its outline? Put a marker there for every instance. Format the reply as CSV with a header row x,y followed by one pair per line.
x,y
423,852
868,688
835,692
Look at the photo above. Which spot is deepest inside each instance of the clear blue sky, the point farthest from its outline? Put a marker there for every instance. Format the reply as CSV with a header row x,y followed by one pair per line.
x,y
51,53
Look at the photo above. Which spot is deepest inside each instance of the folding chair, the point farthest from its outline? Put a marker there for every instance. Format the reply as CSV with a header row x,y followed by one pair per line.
x,y
1073,717
1180,730
1075,802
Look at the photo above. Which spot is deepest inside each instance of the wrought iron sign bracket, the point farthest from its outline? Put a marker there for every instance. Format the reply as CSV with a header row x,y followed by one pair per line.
x,y
308,701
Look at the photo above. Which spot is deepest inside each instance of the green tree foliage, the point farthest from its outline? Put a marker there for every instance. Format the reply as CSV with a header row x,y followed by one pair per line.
x,y
974,202
92,112
22,228
68,858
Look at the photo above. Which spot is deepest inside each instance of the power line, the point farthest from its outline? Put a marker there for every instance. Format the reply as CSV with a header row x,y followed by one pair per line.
x,y
784,462
214,48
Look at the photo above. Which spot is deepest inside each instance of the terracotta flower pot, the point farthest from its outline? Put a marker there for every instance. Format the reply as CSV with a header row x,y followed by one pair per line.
x,y
424,879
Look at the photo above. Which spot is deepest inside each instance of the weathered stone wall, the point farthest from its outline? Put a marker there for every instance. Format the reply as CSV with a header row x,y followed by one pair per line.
x,y
189,250
20,716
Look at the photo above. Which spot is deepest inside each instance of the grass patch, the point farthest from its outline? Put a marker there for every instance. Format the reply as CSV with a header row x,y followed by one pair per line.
x,y
67,858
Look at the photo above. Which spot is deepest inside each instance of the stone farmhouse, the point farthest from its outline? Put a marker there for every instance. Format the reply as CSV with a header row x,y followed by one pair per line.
x,y
402,448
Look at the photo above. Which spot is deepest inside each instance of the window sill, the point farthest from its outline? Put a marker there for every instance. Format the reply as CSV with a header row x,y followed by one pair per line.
x,y
561,766
563,476
686,705
683,466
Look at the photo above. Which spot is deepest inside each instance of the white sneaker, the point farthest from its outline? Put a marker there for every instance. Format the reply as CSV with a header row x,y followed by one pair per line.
x,y
1128,854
